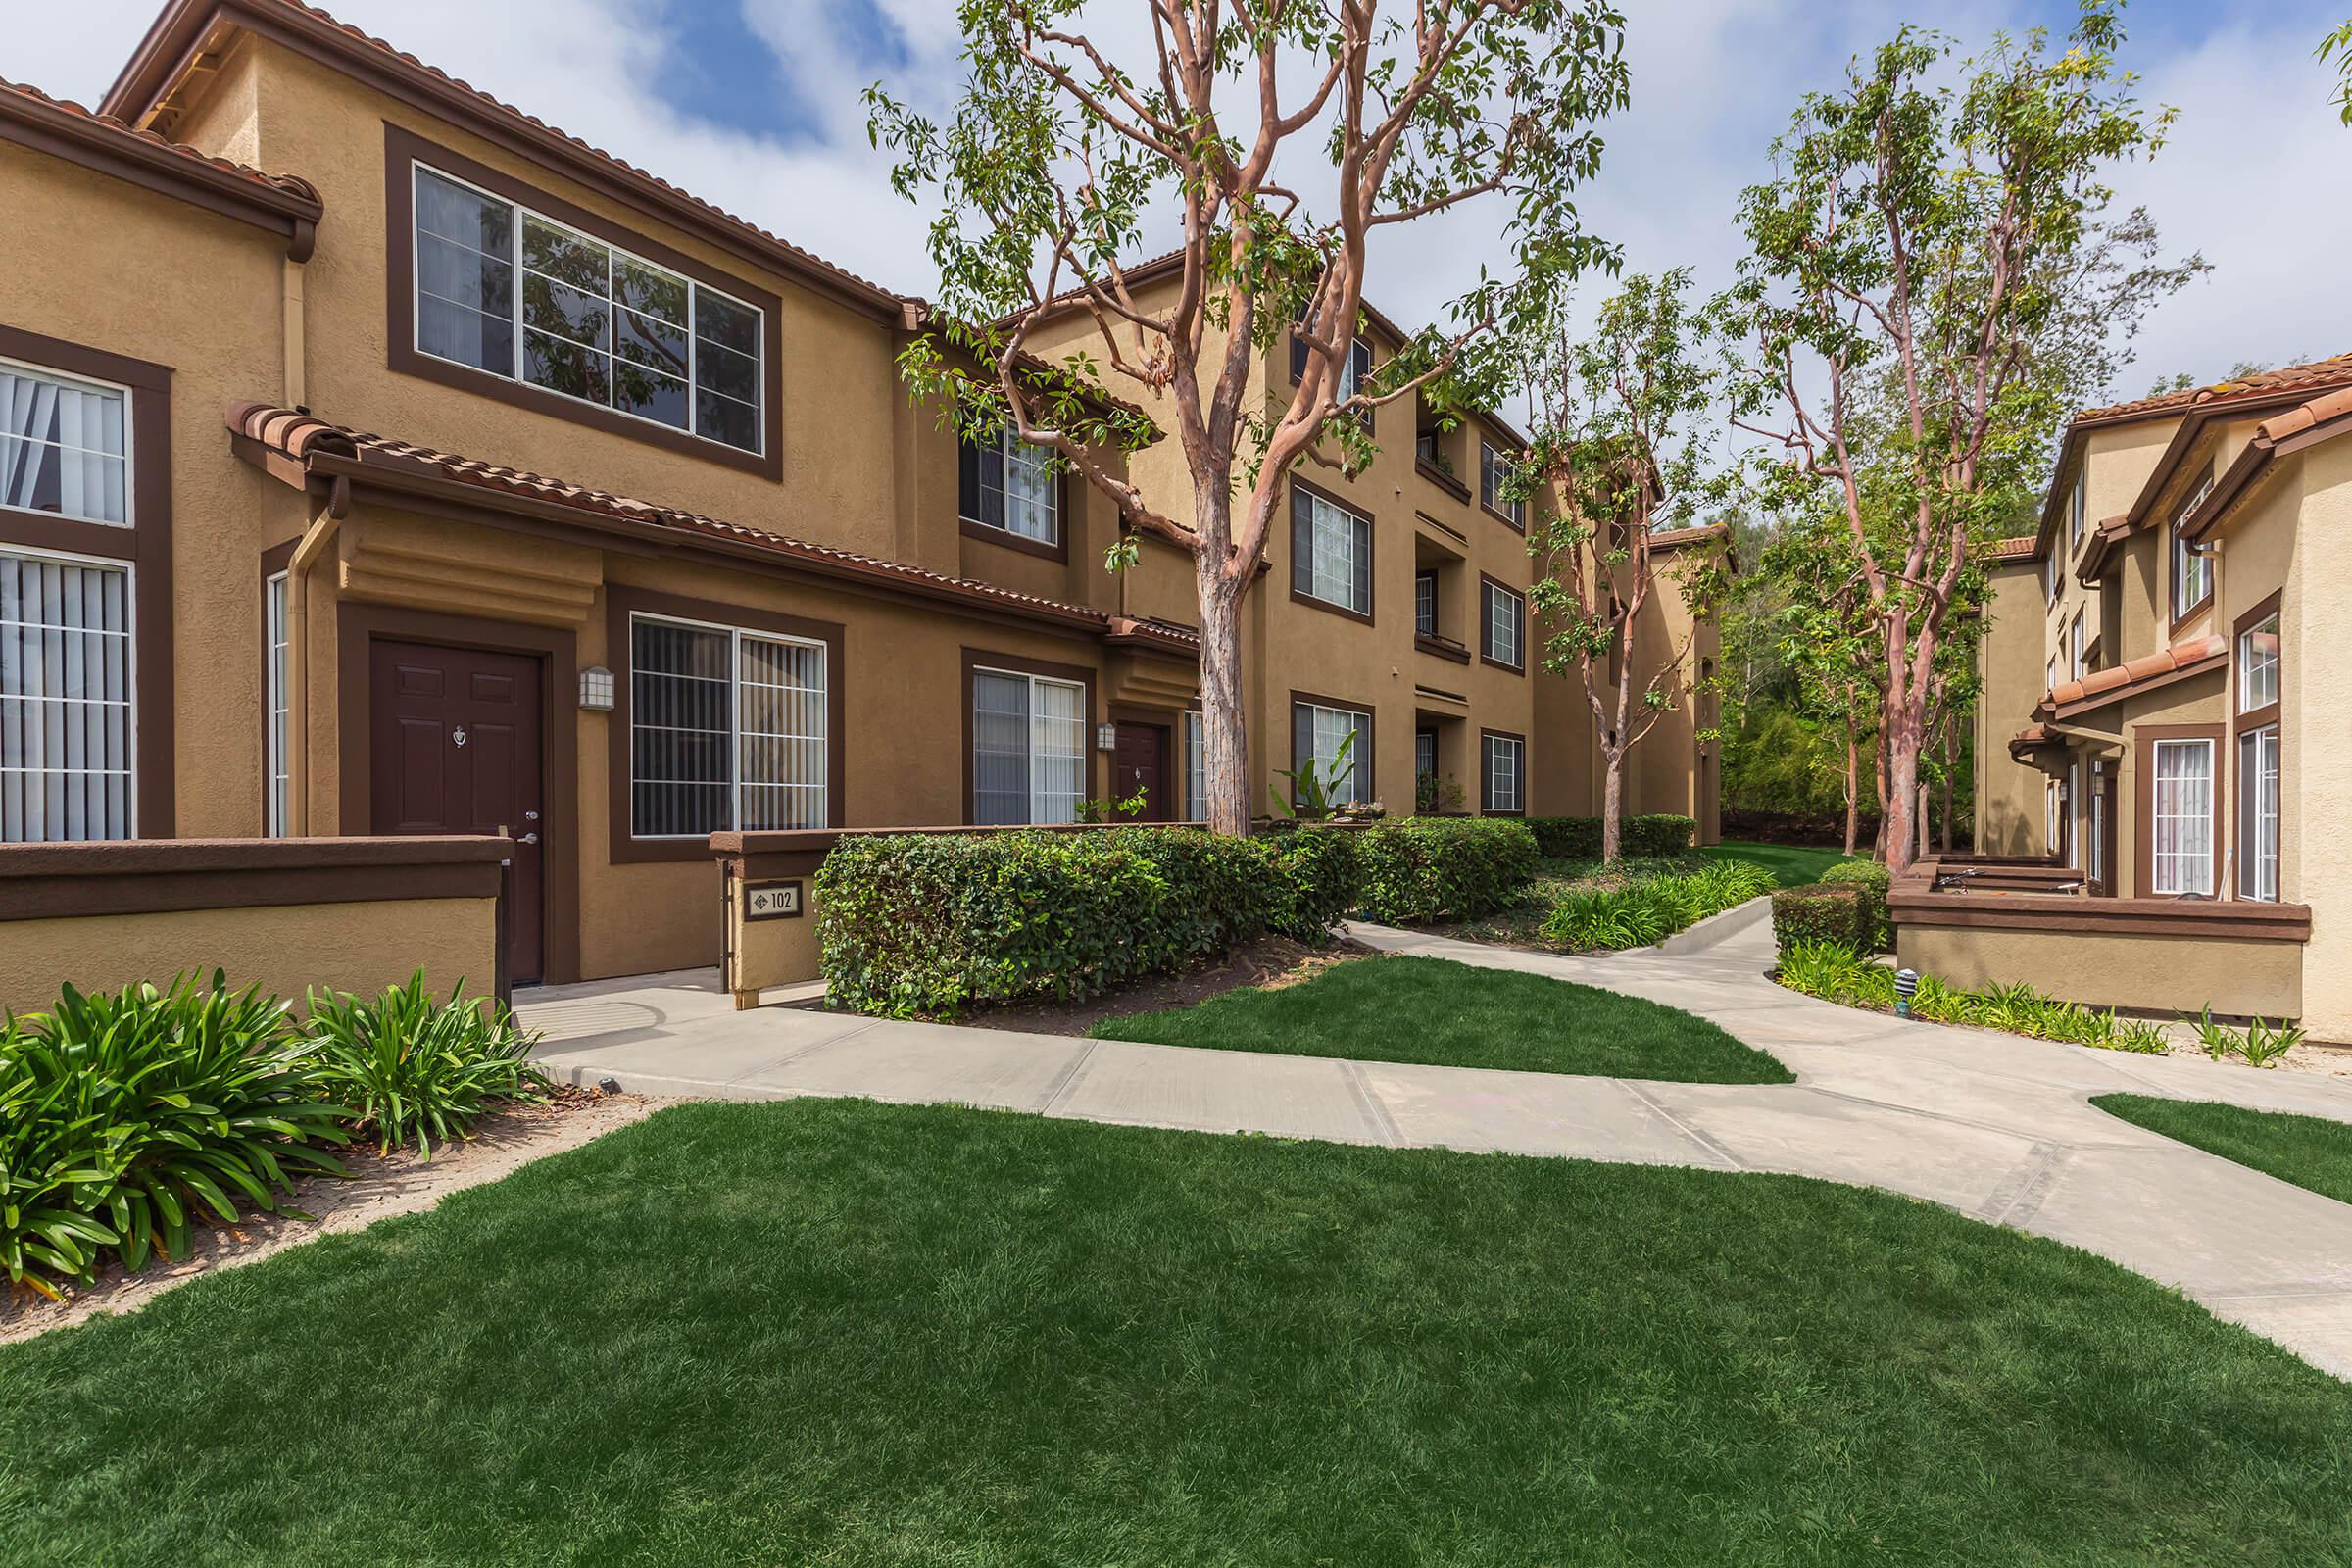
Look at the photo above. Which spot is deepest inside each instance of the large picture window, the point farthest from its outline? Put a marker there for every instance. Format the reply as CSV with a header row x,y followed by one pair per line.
x,y
1317,734
1010,485
65,446
1028,748
516,294
2181,817
728,729
67,732
1331,551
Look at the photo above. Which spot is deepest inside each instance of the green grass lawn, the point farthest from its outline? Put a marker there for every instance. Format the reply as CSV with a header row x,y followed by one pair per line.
x,y
851,1334
1795,864
1453,1014
2309,1151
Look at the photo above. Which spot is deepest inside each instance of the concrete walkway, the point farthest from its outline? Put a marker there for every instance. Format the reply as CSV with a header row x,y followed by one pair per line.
x,y
1993,1125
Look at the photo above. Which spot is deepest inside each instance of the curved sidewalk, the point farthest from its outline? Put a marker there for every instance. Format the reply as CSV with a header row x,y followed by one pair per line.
x,y
1993,1125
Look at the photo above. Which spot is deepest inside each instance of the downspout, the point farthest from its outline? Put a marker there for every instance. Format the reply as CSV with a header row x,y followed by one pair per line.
x,y
314,543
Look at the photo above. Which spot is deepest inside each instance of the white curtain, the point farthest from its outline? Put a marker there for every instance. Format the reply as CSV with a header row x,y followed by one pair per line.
x,y
2183,813
999,748
1058,751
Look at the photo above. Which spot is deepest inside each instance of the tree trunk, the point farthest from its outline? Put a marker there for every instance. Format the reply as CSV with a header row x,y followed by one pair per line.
x,y
1612,803
1899,747
1853,782
1224,736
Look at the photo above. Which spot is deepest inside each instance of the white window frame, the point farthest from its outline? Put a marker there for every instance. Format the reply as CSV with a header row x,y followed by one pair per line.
x,y
695,288
2095,850
735,751
1359,545
2187,561
2071,808
2249,664
1196,766
277,716
130,674
1491,594
2257,861
130,436
2079,504
1085,753
1517,804
2160,883
1493,469
2073,642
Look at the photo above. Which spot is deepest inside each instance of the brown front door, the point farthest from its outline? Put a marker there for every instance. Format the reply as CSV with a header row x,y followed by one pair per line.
x,y
453,747
1142,764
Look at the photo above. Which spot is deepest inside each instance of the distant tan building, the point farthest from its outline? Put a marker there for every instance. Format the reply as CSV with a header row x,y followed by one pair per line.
x,y
376,459
2159,721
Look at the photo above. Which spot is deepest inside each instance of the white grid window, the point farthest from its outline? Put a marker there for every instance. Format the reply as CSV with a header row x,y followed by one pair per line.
x,y
1493,473
65,446
2258,813
1507,626
273,667
1318,732
2068,805
2080,506
66,717
504,290
2182,812
2095,852
1506,774
1028,748
2074,639
2192,572
1331,549
1196,769
1017,489
728,729
2258,664
1425,604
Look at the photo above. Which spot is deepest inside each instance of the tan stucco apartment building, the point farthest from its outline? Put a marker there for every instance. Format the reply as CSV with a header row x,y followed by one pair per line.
x,y
375,459
2161,723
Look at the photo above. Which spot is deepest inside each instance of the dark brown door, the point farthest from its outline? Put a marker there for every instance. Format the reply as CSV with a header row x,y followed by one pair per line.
x,y
453,747
1142,764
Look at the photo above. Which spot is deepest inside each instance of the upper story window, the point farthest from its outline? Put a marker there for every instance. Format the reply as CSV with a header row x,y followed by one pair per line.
x,y
65,446
2081,502
2192,571
1011,485
507,291
2258,664
1506,626
2074,640
1494,467
1331,551
1352,375
1425,603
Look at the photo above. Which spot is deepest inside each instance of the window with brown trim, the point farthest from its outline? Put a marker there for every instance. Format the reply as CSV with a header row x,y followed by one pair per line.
x,y
1013,490
2192,565
1331,551
728,729
1495,470
1319,730
1502,631
2258,679
1503,770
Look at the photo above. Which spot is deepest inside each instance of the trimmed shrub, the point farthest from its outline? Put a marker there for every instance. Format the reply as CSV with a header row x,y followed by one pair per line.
x,y
1656,836
1836,972
1824,913
124,1116
1873,880
1418,870
1645,912
1566,838
412,1068
932,924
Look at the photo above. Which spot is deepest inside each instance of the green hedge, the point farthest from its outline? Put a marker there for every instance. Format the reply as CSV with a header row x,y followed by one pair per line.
x,y
1877,925
1577,838
1829,912
931,925
1416,870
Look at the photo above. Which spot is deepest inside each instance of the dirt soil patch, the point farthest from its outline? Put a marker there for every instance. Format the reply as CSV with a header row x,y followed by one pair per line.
x,y
1268,963
378,1186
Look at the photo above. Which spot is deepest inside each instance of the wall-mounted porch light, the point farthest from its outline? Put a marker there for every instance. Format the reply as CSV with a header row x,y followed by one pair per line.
x,y
1107,737
596,689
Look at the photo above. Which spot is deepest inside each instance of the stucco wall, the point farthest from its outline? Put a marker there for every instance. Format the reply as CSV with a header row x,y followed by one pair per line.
x,y
2316,719
2009,793
361,947
2138,973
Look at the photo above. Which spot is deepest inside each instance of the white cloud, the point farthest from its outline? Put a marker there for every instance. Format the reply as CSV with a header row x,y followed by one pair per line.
x,y
2254,175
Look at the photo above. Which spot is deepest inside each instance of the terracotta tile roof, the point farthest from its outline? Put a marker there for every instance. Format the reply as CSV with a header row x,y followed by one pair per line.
x,y
2121,680
2333,370
2027,739
316,445
2021,548
154,69
29,104
1672,538
2319,411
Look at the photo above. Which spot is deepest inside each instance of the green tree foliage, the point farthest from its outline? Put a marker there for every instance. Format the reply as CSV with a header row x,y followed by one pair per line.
x,y
2337,47
1932,274
1061,157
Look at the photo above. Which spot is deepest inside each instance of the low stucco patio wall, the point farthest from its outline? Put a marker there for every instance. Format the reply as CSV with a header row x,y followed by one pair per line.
x,y
285,914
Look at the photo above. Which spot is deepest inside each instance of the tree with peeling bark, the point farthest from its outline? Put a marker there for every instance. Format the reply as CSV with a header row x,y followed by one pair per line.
x,y
1826,641
1925,237
1624,441
1060,157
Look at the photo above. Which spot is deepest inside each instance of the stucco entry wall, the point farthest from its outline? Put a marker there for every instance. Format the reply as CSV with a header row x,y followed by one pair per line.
x,y
2141,973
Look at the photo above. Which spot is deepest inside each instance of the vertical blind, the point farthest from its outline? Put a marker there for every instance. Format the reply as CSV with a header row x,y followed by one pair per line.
x,y
1331,551
728,729
1028,748
2183,817
273,637
65,701
63,447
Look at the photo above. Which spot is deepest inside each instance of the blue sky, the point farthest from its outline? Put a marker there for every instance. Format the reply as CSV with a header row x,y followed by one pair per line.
x,y
753,104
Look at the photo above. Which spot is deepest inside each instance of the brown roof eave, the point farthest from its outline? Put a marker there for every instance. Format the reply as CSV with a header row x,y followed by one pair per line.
x,y
280,204
181,34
